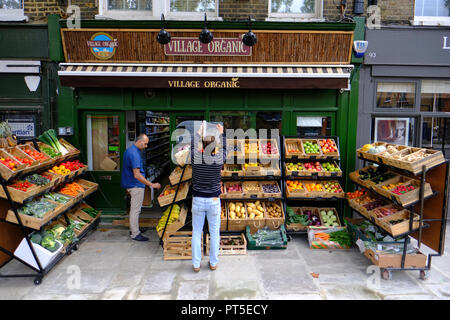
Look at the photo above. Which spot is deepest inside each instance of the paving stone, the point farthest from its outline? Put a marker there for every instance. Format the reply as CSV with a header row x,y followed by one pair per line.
x,y
50,297
193,290
158,281
115,294
402,282
301,296
155,297
349,292
103,234
126,279
410,297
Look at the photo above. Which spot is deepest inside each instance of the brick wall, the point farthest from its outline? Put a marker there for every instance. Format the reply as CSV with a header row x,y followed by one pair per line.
x,y
38,10
88,8
235,10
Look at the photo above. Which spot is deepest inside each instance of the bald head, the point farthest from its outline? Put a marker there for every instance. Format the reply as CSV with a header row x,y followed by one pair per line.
x,y
141,141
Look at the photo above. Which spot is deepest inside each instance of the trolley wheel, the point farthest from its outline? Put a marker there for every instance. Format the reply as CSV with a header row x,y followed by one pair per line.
x,y
76,247
387,274
37,281
424,274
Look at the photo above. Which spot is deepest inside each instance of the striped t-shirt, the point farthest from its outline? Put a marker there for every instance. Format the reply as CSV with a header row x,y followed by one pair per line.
x,y
206,173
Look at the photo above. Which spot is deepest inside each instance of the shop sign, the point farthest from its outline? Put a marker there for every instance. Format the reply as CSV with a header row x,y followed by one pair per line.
x,y
232,83
22,127
217,47
102,45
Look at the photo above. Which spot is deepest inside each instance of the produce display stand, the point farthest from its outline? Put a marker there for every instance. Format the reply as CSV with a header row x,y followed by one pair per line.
x,y
17,226
430,209
310,199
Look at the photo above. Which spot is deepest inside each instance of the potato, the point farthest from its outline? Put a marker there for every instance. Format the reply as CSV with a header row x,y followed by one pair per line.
x,y
232,206
252,216
232,215
251,205
257,203
243,210
238,209
249,209
260,208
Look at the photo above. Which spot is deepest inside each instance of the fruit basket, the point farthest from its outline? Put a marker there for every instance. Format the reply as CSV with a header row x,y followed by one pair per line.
x,y
232,170
383,211
251,149
269,149
274,214
270,189
293,149
329,148
332,189
252,169
43,159
233,189
167,196
175,176
20,156
314,189
295,189
9,167
311,148
331,169
252,189
366,153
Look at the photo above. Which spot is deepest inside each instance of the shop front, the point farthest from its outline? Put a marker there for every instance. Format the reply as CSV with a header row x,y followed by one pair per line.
x,y
300,82
406,94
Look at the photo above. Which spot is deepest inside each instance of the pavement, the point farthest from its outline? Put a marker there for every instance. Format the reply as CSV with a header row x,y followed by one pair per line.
x,y
110,266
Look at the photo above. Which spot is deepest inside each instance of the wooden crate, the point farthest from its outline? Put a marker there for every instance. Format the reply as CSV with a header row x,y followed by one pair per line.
x,y
229,249
333,194
334,173
89,186
432,158
43,163
73,152
232,194
252,189
373,213
274,223
176,225
338,221
295,193
300,211
175,176
20,196
254,153
223,217
399,228
240,153
59,158
33,222
304,172
229,172
386,157
371,156
168,199
295,146
334,155
255,223
269,194
236,224
7,173
311,155
273,155
387,193
313,194
17,152
270,169
252,171
178,246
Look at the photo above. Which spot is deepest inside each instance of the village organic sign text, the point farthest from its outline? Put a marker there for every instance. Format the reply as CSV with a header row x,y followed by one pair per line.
x,y
232,83
218,47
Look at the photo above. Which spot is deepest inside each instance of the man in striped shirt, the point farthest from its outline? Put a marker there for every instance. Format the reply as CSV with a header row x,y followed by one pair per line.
x,y
207,161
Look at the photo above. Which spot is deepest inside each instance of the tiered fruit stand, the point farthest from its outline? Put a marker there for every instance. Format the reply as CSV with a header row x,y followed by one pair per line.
x,y
405,195
312,176
19,194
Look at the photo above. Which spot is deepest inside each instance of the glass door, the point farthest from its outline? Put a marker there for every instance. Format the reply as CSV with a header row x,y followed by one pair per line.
x,y
314,124
103,139
436,134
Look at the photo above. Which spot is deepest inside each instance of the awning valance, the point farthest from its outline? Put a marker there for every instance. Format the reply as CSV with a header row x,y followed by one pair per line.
x,y
205,76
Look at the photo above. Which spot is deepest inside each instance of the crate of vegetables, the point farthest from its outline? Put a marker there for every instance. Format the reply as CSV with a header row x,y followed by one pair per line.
x,y
398,223
223,217
293,149
252,189
73,189
9,166
232,170
329,217
52,146
269,149
50,151
175,176
331,238
364,176
255,215
88,186
72,151
233,189
266,239
237,215
274,214
45,247
34,214
22,157
167,196
300,218
43,159
270,189
19,190
404,190
229,245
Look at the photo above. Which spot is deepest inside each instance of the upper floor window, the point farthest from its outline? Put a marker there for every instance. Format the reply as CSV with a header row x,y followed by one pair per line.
x,y
295,9
432,12
152,9
12,10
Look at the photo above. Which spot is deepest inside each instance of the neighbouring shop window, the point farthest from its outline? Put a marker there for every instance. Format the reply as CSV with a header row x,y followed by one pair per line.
x,y
193,6
432,12
398,95
12,10
295,9
393,130
103,140
436,134
435,96
268,120
232,120
313,126
130,5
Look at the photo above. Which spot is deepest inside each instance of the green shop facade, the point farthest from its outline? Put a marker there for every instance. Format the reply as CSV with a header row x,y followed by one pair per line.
x,y
115,77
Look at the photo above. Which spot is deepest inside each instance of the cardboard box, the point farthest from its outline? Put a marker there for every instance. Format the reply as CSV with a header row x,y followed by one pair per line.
x,y
108,164
148,196
382,260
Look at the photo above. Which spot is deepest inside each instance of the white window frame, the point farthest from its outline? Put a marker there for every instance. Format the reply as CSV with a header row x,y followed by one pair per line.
x,y
158,7
430,20
13,14
297,17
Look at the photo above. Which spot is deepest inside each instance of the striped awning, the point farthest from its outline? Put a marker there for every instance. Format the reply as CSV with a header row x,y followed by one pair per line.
x,y
204,76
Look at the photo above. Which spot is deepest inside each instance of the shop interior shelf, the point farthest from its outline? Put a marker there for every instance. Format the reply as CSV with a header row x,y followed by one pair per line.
x,y
159,132
158,146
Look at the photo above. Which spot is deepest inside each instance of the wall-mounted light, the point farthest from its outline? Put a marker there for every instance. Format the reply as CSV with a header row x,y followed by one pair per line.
x,y
205,36
163,36
249,39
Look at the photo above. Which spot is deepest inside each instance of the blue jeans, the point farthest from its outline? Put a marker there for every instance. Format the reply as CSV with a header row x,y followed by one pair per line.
x,y
209,207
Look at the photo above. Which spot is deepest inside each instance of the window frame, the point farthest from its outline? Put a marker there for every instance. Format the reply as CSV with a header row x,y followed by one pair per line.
x,y
416,107
430,20
13,14
296,17
158,7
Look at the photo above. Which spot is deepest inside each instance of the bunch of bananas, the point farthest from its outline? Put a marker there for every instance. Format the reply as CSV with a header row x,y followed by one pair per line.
x,y
173,217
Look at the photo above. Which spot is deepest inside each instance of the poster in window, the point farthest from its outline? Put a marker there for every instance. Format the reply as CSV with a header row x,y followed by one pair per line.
x,y
392,130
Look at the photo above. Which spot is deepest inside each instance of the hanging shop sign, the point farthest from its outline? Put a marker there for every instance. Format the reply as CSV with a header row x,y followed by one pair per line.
x,y
217,47
102,45
22,126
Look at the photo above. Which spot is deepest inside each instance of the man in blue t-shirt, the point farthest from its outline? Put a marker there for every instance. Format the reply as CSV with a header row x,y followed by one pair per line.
x,y
133,179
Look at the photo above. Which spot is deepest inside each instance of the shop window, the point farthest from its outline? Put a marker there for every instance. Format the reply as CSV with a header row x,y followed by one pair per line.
x,y
233,120
268,120
435,96
103,140
432,12
295,10
398,95
313,126
394,130
436,134
152,9
12,10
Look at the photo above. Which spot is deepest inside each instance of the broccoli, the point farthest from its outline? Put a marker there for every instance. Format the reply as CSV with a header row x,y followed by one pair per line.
x,y
49,243
36,238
